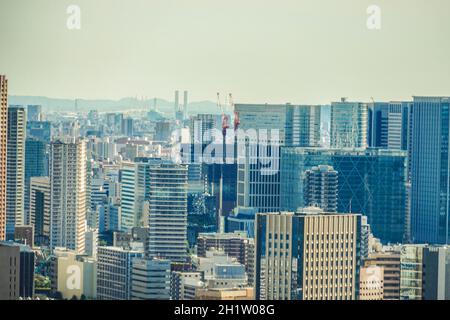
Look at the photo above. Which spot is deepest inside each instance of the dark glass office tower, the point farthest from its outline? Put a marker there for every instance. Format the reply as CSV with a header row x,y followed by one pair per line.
x,y
430,164
370,181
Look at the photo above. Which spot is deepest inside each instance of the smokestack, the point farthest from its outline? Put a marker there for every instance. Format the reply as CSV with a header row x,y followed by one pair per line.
x,y
177,101
185,104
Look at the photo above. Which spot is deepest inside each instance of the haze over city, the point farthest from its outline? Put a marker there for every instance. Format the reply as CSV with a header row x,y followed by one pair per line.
x,y
272,51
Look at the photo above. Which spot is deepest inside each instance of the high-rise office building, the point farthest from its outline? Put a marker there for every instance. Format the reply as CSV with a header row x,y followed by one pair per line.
x,y
36,165
298,125
436,273
114,272
308,255
370,181
3,151
135,191
150,279
15,182
321,188
185,105
39,211
167,218
68,194
430,163
348,126
258,184
399,121
201,126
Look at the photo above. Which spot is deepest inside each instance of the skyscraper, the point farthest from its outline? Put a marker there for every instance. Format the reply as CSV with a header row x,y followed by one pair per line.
x,y
258,184
370,181
430,174
68,194
15,182
321,188
3,148
167,219
39,211
436,273
348,124
378,124
288,247
36,165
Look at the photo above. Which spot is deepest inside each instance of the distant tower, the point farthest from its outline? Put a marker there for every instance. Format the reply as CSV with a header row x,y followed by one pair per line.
x,y
185,105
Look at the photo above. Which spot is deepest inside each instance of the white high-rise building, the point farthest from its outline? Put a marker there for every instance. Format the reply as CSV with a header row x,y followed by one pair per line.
x,y
15,180
68,194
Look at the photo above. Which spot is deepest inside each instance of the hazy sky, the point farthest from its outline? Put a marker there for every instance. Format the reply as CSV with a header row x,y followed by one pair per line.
x,y
299,51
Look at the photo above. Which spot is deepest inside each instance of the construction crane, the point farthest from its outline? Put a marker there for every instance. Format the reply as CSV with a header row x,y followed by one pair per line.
x,y
237,121
225,117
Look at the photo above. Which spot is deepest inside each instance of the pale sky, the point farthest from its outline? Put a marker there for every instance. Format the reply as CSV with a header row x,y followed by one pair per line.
x,y
275,51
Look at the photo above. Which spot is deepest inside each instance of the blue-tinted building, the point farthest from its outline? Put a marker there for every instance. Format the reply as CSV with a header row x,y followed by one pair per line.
x,y
242,219
370,181
430,164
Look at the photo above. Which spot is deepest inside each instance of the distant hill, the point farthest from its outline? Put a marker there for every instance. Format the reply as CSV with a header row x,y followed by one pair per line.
x,y
103,105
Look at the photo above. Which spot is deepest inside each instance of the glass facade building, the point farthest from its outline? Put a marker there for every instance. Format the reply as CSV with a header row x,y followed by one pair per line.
x,y
370,181
430,164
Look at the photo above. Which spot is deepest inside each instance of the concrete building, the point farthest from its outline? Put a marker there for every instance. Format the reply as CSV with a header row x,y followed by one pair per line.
x,y
266,128
150,279
183,285
3,150
39,212
348,124
15,182
411,272
73,274
68,195
10,275
371,283
114,272
389,260
370,181
18,259
310,255
321,188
